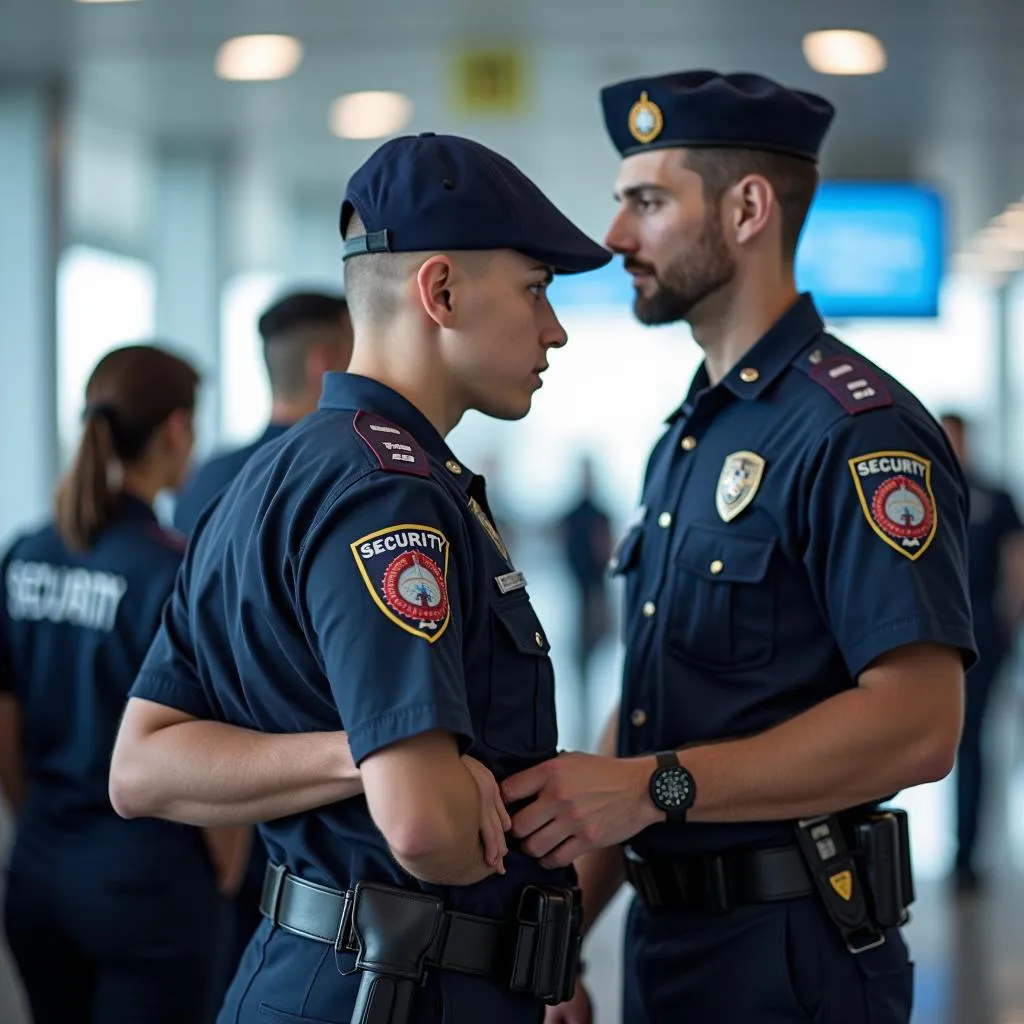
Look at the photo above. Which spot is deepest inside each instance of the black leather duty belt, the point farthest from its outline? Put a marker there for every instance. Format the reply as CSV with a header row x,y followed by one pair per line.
x,y
718,882
470,945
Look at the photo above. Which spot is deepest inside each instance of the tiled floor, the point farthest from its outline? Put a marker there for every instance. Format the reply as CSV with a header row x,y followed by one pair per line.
x,y
969,954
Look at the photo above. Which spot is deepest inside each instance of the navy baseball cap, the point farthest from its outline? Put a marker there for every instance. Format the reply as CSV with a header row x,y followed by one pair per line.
x,y
428,192
693,109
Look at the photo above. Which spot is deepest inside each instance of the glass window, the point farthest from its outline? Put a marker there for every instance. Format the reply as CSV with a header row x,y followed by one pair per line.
x,y
104,300
246,393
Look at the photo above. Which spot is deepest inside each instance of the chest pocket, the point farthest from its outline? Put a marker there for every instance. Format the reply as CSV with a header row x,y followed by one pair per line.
x,y
723,600
520,716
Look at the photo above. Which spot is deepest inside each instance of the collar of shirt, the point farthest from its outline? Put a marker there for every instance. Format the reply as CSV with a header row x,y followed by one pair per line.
x,y
767,360
351,391
131,507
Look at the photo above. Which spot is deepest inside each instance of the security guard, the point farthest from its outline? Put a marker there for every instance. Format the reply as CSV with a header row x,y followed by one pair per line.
x,y
995,538
351,576
305,335
797,621
108,921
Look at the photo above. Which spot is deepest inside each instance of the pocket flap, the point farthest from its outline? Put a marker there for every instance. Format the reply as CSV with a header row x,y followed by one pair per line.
x,y
724,556
523,626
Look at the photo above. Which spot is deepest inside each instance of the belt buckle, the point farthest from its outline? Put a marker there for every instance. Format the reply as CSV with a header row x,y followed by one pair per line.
x,y
345,940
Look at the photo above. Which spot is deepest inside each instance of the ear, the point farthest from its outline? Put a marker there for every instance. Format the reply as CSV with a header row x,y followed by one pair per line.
x,y
752,207
434,282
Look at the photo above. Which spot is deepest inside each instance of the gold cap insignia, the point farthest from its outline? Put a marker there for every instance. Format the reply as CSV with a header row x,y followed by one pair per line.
x,y
645,119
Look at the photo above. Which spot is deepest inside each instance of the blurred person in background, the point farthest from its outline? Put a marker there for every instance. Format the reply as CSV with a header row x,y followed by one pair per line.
x,y
995,539
109,921
305,334
586,542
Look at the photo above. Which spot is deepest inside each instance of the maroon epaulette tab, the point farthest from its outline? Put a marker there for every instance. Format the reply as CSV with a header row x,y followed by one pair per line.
x,y
177,542
852,383
396,449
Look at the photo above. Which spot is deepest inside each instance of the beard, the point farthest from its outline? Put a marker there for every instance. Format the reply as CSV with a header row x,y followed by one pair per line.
x,y
706,267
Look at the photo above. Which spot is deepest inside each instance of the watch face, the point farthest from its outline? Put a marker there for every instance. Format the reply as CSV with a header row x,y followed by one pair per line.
x,y
671,788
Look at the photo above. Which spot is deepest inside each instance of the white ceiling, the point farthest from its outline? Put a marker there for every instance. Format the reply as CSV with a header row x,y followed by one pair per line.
x,y
947,108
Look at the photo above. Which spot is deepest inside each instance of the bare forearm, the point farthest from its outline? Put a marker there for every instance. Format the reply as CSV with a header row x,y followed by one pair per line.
x,y
851,749
12,767
450,851
601,874
211,774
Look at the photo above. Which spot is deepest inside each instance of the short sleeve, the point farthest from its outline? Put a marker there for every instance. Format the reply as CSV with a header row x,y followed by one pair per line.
x,y
887,537
168,674
382,584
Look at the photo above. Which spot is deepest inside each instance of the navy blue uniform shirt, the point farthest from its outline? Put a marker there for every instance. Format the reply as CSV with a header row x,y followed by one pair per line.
x,y
799,519
213,476
351,578
74,630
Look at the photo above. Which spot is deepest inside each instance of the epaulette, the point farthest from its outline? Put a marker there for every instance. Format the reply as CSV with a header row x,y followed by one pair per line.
x,y
851,381
177,542
396,449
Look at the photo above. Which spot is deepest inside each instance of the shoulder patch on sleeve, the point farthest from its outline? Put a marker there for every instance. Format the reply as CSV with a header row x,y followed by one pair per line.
x,y
405,569
852,383
396,449
895,493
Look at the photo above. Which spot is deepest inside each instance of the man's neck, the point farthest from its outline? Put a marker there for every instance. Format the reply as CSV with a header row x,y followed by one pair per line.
x,y
288,413
413,372
729,324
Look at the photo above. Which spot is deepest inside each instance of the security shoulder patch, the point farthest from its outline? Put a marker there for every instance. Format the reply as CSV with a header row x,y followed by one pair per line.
x,y
895,492
405,569
396,449
854,384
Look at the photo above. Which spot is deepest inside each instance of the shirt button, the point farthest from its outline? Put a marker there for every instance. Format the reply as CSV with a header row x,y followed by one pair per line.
x,y
748,375
717,567
539,637
453,467
665,520
649,609
688,443
638,717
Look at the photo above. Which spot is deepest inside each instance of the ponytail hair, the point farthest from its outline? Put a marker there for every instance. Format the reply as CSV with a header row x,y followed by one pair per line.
x,y
131,393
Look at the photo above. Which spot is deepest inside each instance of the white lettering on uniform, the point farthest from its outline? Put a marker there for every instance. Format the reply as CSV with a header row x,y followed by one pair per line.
x,y
399,457
887,464
366,550
38,592
394,446
384,430
403,539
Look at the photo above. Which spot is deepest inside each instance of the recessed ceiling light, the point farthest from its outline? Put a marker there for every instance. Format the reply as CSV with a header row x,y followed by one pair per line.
x,y
844,52
263,58
369,115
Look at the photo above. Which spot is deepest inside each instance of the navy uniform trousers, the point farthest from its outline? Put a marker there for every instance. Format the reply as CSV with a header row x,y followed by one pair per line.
x,y
774,963
107,933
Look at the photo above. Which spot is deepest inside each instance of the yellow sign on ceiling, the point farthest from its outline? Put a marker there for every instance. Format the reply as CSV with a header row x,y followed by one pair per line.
x,y
490,80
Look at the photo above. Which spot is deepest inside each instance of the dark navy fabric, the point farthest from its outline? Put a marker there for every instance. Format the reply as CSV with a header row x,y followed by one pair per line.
x,y
798,520
777,963
348,579
130,907
705,108
993,520
210,478
430,192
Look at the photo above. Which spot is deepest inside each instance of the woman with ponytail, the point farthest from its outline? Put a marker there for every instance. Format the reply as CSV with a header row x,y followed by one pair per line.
x,y
109,921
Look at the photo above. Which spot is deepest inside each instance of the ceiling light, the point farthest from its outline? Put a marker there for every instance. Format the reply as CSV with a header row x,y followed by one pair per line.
x,y
844,52
258,58
369,115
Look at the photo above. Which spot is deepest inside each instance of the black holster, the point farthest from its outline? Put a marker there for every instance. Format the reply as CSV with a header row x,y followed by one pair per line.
x,y
395,929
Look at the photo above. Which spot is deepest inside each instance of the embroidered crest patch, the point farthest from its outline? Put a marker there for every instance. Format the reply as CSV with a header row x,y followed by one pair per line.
x,y
738,483
405,569
895,492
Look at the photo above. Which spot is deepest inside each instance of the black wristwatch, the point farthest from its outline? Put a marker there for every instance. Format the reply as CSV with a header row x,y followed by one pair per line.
x,y
672,787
